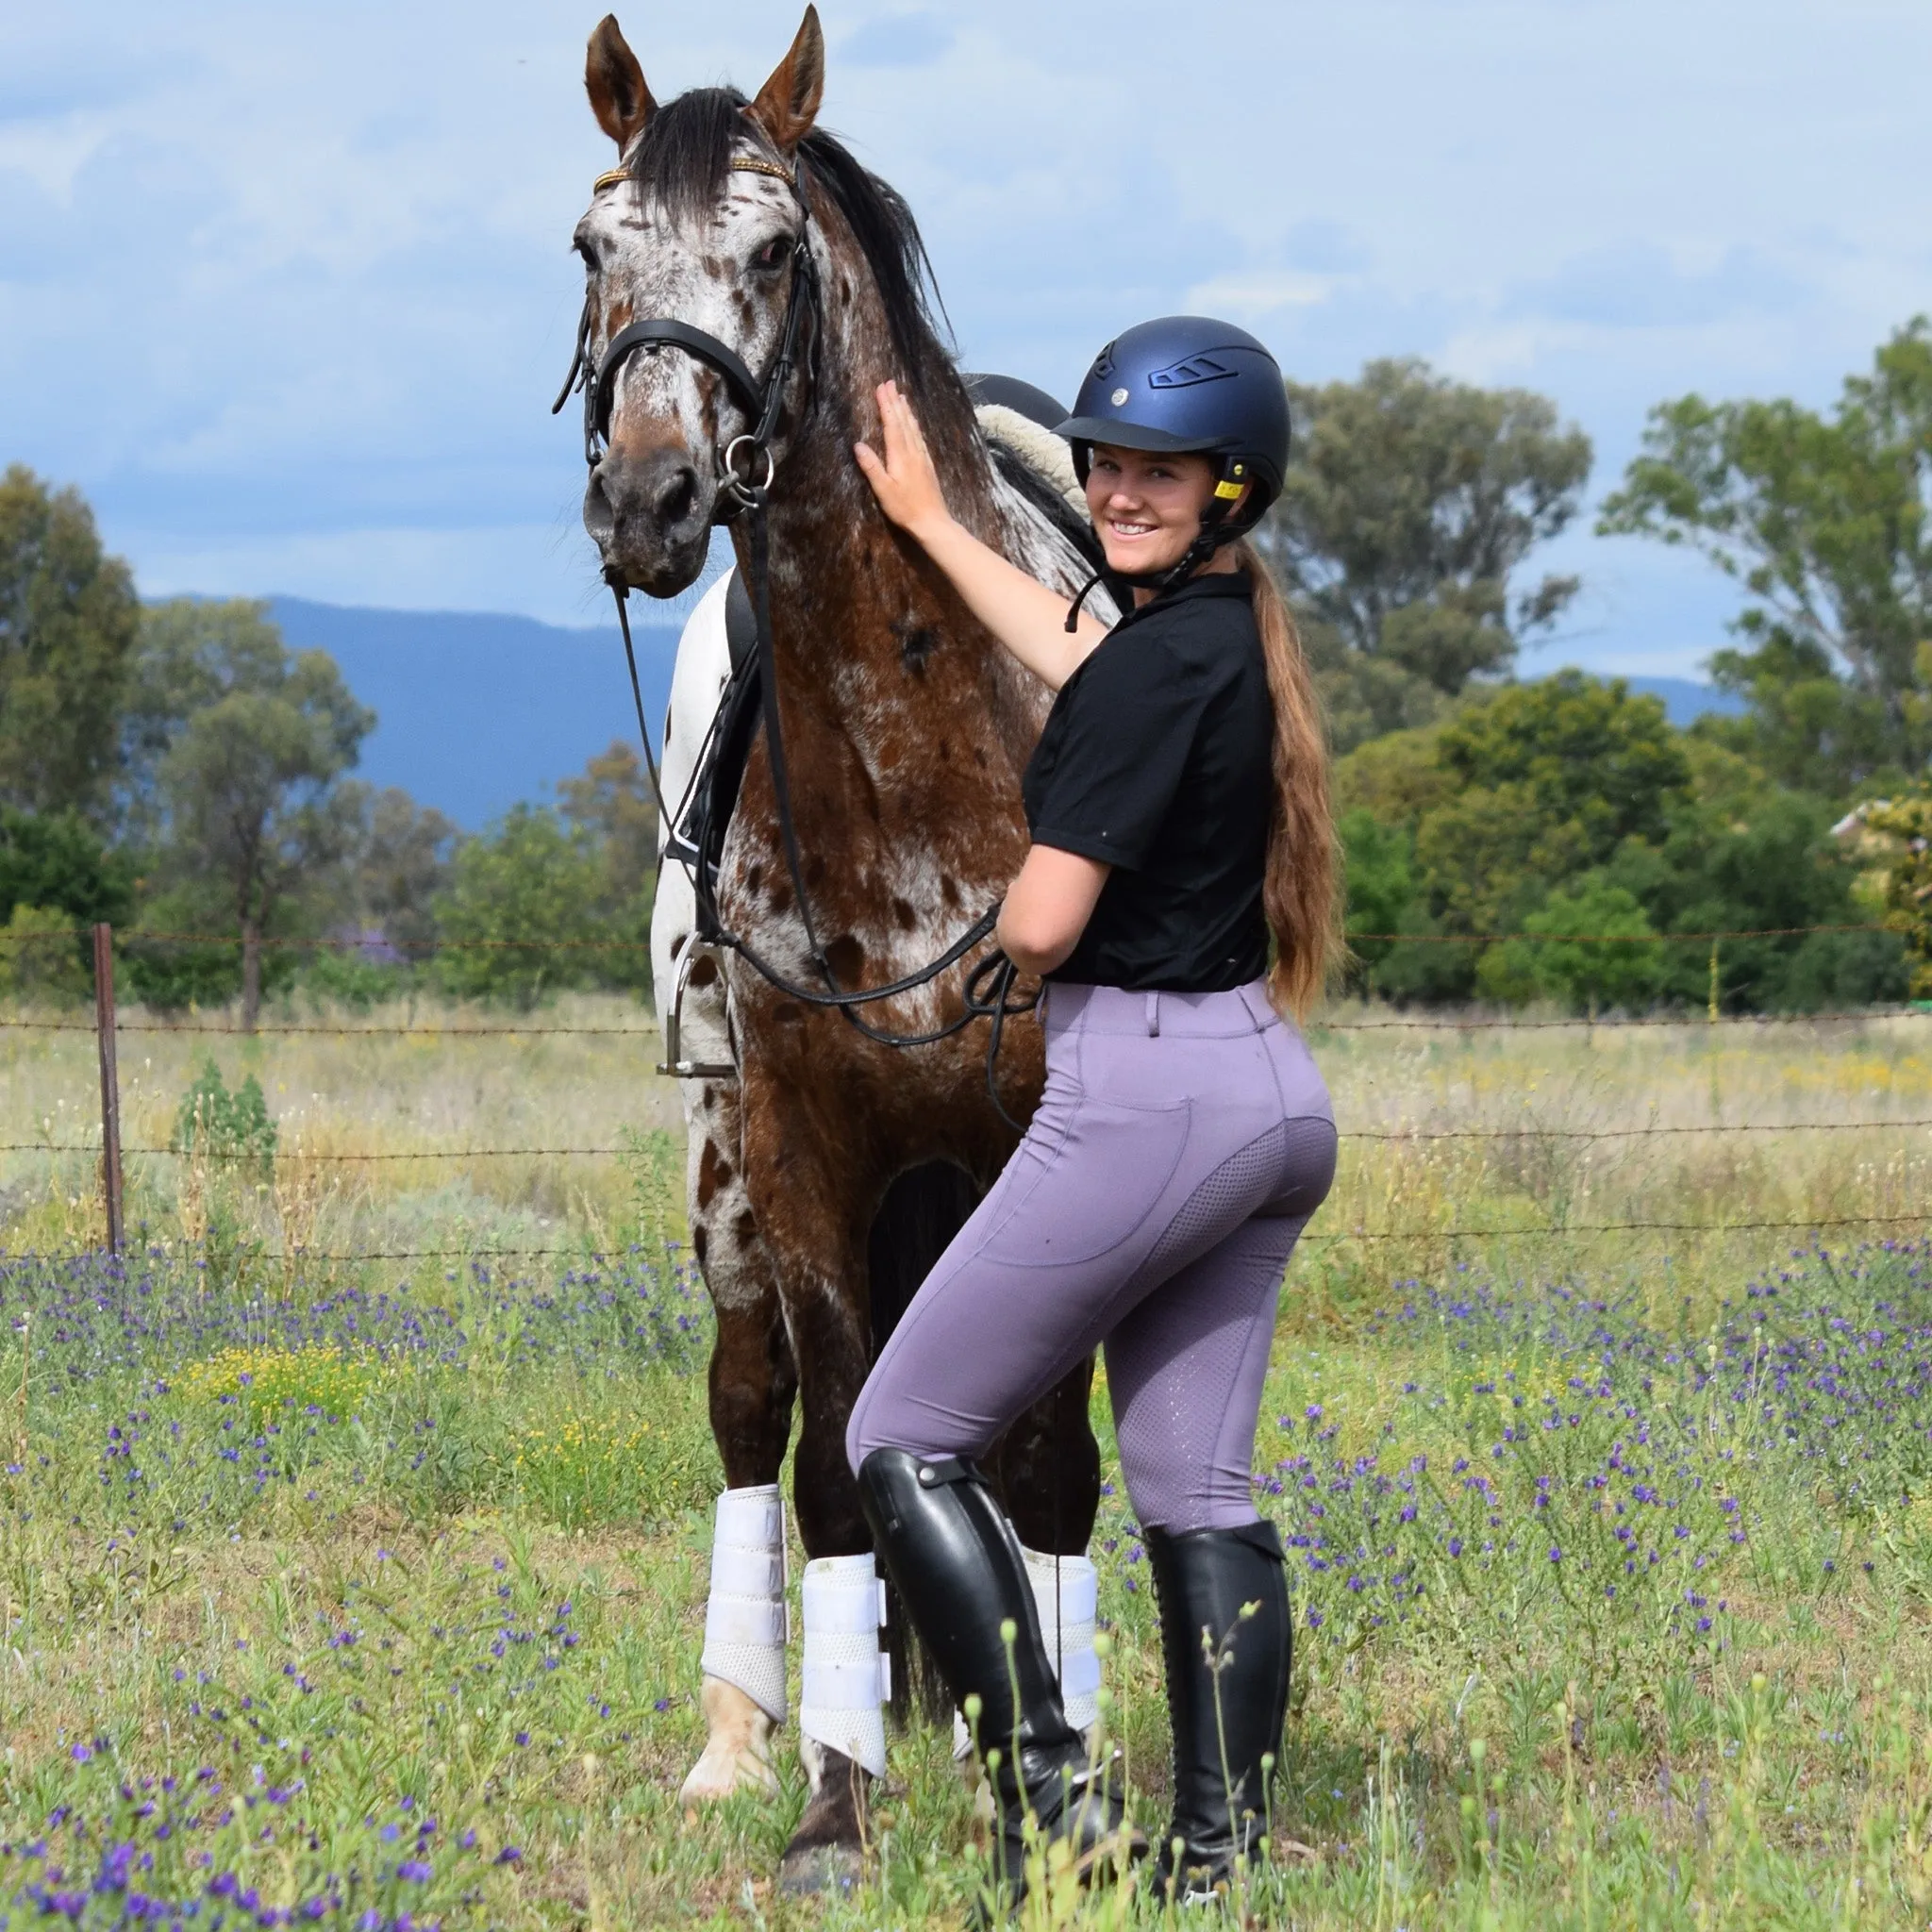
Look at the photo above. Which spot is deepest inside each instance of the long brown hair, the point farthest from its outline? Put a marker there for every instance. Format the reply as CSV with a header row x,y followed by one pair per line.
x,y
1301,892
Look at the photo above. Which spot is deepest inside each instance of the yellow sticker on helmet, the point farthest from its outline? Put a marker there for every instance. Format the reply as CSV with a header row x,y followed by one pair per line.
x,y
1226,489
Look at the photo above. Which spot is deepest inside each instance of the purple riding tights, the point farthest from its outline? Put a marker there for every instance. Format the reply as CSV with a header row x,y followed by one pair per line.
x,y
1182,1143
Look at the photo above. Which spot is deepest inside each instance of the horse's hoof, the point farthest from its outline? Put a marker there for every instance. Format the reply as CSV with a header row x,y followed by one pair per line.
x,y
806,1870
826,1854
738,1753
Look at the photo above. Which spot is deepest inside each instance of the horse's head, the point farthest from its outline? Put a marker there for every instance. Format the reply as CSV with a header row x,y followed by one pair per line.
x,y
699,225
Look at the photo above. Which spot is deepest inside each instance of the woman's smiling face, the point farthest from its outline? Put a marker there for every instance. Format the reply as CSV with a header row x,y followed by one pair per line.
x,y
1146,505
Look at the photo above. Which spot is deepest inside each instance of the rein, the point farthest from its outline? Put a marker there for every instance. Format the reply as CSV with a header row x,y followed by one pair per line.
x,y
989,985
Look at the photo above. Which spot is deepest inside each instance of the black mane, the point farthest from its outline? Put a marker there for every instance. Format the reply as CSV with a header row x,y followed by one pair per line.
x,y
682,161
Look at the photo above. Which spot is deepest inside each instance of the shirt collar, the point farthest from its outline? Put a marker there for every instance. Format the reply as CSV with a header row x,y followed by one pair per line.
x,y
1225,583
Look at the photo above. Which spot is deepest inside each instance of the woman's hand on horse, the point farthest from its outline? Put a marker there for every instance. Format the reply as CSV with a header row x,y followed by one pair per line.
x,y
1025,616
904,479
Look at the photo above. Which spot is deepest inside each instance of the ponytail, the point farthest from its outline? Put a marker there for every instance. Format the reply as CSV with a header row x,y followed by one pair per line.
x,y
1301,890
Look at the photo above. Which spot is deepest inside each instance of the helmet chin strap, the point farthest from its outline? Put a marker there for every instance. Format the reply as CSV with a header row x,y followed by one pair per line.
x,y
1215,530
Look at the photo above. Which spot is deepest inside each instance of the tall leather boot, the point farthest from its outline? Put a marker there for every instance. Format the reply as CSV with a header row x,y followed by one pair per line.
x,y
961,1575
1202,1579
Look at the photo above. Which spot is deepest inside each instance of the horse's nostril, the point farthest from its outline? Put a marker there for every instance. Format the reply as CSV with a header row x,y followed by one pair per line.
x,y
678,494
600,517
636,504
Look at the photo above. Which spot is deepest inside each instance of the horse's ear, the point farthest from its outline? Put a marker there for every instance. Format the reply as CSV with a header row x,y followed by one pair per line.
x,y
788,104
615,84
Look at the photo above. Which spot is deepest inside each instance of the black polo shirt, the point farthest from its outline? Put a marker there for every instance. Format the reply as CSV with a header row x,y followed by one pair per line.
x,y
1158,759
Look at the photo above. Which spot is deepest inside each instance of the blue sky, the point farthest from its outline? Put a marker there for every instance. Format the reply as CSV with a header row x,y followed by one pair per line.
x,y
285,288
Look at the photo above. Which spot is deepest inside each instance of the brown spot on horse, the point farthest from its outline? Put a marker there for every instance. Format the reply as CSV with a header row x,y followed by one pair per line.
x,y
714,1171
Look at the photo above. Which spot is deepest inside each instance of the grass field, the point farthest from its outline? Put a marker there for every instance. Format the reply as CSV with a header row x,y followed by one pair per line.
x,y
335,1589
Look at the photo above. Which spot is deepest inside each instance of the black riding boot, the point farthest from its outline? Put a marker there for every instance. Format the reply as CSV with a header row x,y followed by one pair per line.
x,y
1202,1579
960,1575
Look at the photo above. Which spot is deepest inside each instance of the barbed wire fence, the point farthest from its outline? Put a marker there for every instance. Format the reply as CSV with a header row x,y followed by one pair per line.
x,y
107,1026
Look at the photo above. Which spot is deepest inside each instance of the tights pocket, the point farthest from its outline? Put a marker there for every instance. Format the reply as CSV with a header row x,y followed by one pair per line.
x,y
1108,1174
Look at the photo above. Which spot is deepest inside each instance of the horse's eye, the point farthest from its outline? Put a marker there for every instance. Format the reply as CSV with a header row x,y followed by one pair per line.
x,y
772,253
589,257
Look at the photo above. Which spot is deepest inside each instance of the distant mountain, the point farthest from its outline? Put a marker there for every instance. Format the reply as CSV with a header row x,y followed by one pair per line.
x,y
475,711
1686,701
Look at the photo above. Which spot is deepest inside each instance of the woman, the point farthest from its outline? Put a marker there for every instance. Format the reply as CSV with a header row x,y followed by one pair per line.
x,y
1177,804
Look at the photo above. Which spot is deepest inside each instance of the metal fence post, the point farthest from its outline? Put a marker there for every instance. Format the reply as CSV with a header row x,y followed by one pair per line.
x,y
110,1081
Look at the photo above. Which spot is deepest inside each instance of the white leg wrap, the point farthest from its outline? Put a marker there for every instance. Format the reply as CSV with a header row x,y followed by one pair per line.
x,y
1068,1628
1068,1635
844,1678
744,1620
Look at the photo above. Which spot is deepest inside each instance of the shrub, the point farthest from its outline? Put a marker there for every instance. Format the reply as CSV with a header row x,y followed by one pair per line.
x,y
233,1128
1612,960
39,956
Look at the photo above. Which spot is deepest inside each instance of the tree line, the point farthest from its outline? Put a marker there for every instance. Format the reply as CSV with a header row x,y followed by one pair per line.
x,y
1471,805
176,767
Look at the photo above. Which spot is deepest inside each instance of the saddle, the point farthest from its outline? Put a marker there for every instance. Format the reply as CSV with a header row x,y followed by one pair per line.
x,y
1017,422
699,839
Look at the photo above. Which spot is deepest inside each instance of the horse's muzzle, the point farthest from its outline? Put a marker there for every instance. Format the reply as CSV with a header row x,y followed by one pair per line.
x,y
650,515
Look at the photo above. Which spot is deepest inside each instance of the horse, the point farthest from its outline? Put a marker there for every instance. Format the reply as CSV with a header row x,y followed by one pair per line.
x,y
827,1167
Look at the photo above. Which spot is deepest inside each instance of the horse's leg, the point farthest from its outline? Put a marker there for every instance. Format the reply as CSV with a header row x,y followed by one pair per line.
x,y
804,1202
752,1380
752,1384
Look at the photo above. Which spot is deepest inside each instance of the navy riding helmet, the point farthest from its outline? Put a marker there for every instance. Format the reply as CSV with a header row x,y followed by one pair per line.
x,y
1187,383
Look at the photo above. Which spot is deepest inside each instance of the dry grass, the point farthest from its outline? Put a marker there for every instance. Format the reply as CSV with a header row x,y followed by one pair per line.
x,y
385,1141
1710,1131
1693,1125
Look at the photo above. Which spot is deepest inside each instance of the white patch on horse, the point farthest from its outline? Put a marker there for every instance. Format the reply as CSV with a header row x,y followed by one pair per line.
x,y
701,281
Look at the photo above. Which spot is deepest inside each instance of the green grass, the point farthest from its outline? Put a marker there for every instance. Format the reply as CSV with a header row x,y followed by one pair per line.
x,y
335,1587
394,1584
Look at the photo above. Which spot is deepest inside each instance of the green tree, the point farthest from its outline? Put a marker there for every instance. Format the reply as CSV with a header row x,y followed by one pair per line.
x,y
1548,780
1906,823
1760,859
241,744
612,801
1379,867
1523,792
1572,747
39,957
55,878
1571,807
68,620
404,862
526,883
1364,698
1410,502
53,860
1824,521
1589,946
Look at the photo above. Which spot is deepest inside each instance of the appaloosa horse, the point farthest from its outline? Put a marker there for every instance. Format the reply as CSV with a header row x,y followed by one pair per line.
x,y
829,1170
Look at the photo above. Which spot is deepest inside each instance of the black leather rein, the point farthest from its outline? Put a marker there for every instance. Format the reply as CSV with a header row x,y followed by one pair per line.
x,y
989,985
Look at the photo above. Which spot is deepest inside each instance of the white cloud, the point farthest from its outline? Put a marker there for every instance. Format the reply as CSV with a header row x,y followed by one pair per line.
x,y
1247,296
285,288
405,569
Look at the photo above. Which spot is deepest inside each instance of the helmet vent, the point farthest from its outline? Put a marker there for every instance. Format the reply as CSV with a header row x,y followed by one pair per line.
x,y
1188,372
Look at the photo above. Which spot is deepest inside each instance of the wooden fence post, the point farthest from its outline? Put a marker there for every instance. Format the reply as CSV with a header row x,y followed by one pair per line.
x,y
110,1081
